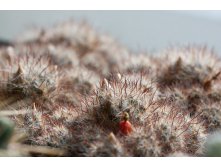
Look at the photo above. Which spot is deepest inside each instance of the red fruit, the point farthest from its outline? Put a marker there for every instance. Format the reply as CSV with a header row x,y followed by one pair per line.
x,y
125,127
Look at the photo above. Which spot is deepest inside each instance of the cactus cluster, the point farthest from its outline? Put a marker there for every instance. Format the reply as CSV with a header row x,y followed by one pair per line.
x,y
74,92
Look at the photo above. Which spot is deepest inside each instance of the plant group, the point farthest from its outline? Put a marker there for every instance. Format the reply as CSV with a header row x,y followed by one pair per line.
x,y
74,92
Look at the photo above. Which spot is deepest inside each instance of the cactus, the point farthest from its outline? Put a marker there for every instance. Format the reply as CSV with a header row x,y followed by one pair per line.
x,y
76,92
6,131
213,145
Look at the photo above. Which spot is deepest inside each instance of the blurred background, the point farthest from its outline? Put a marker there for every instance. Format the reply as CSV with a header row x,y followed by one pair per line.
x,y
138,30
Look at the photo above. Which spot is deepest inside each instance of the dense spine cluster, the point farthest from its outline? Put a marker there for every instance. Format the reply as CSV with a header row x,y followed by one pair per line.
x,y
73,92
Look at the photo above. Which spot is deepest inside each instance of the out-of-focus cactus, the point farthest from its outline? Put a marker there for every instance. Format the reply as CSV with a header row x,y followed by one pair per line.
x,y
213,145
111,147
50,81
6,131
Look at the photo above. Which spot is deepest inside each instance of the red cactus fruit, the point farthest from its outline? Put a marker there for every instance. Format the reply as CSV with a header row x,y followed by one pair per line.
x,y
125,125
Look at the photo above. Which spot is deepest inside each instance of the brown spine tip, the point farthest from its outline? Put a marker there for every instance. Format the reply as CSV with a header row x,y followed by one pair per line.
x,y
18,77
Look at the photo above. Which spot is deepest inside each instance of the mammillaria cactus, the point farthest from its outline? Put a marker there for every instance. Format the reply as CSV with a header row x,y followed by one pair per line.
x,y
75,92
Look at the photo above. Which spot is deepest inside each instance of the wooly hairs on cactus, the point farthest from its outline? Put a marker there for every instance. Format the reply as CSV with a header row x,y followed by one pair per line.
x,y
110,147
196,102
76,92
28,77
169,128
167,131
76,82
98,52
211,117
116,96
46,128
189,68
